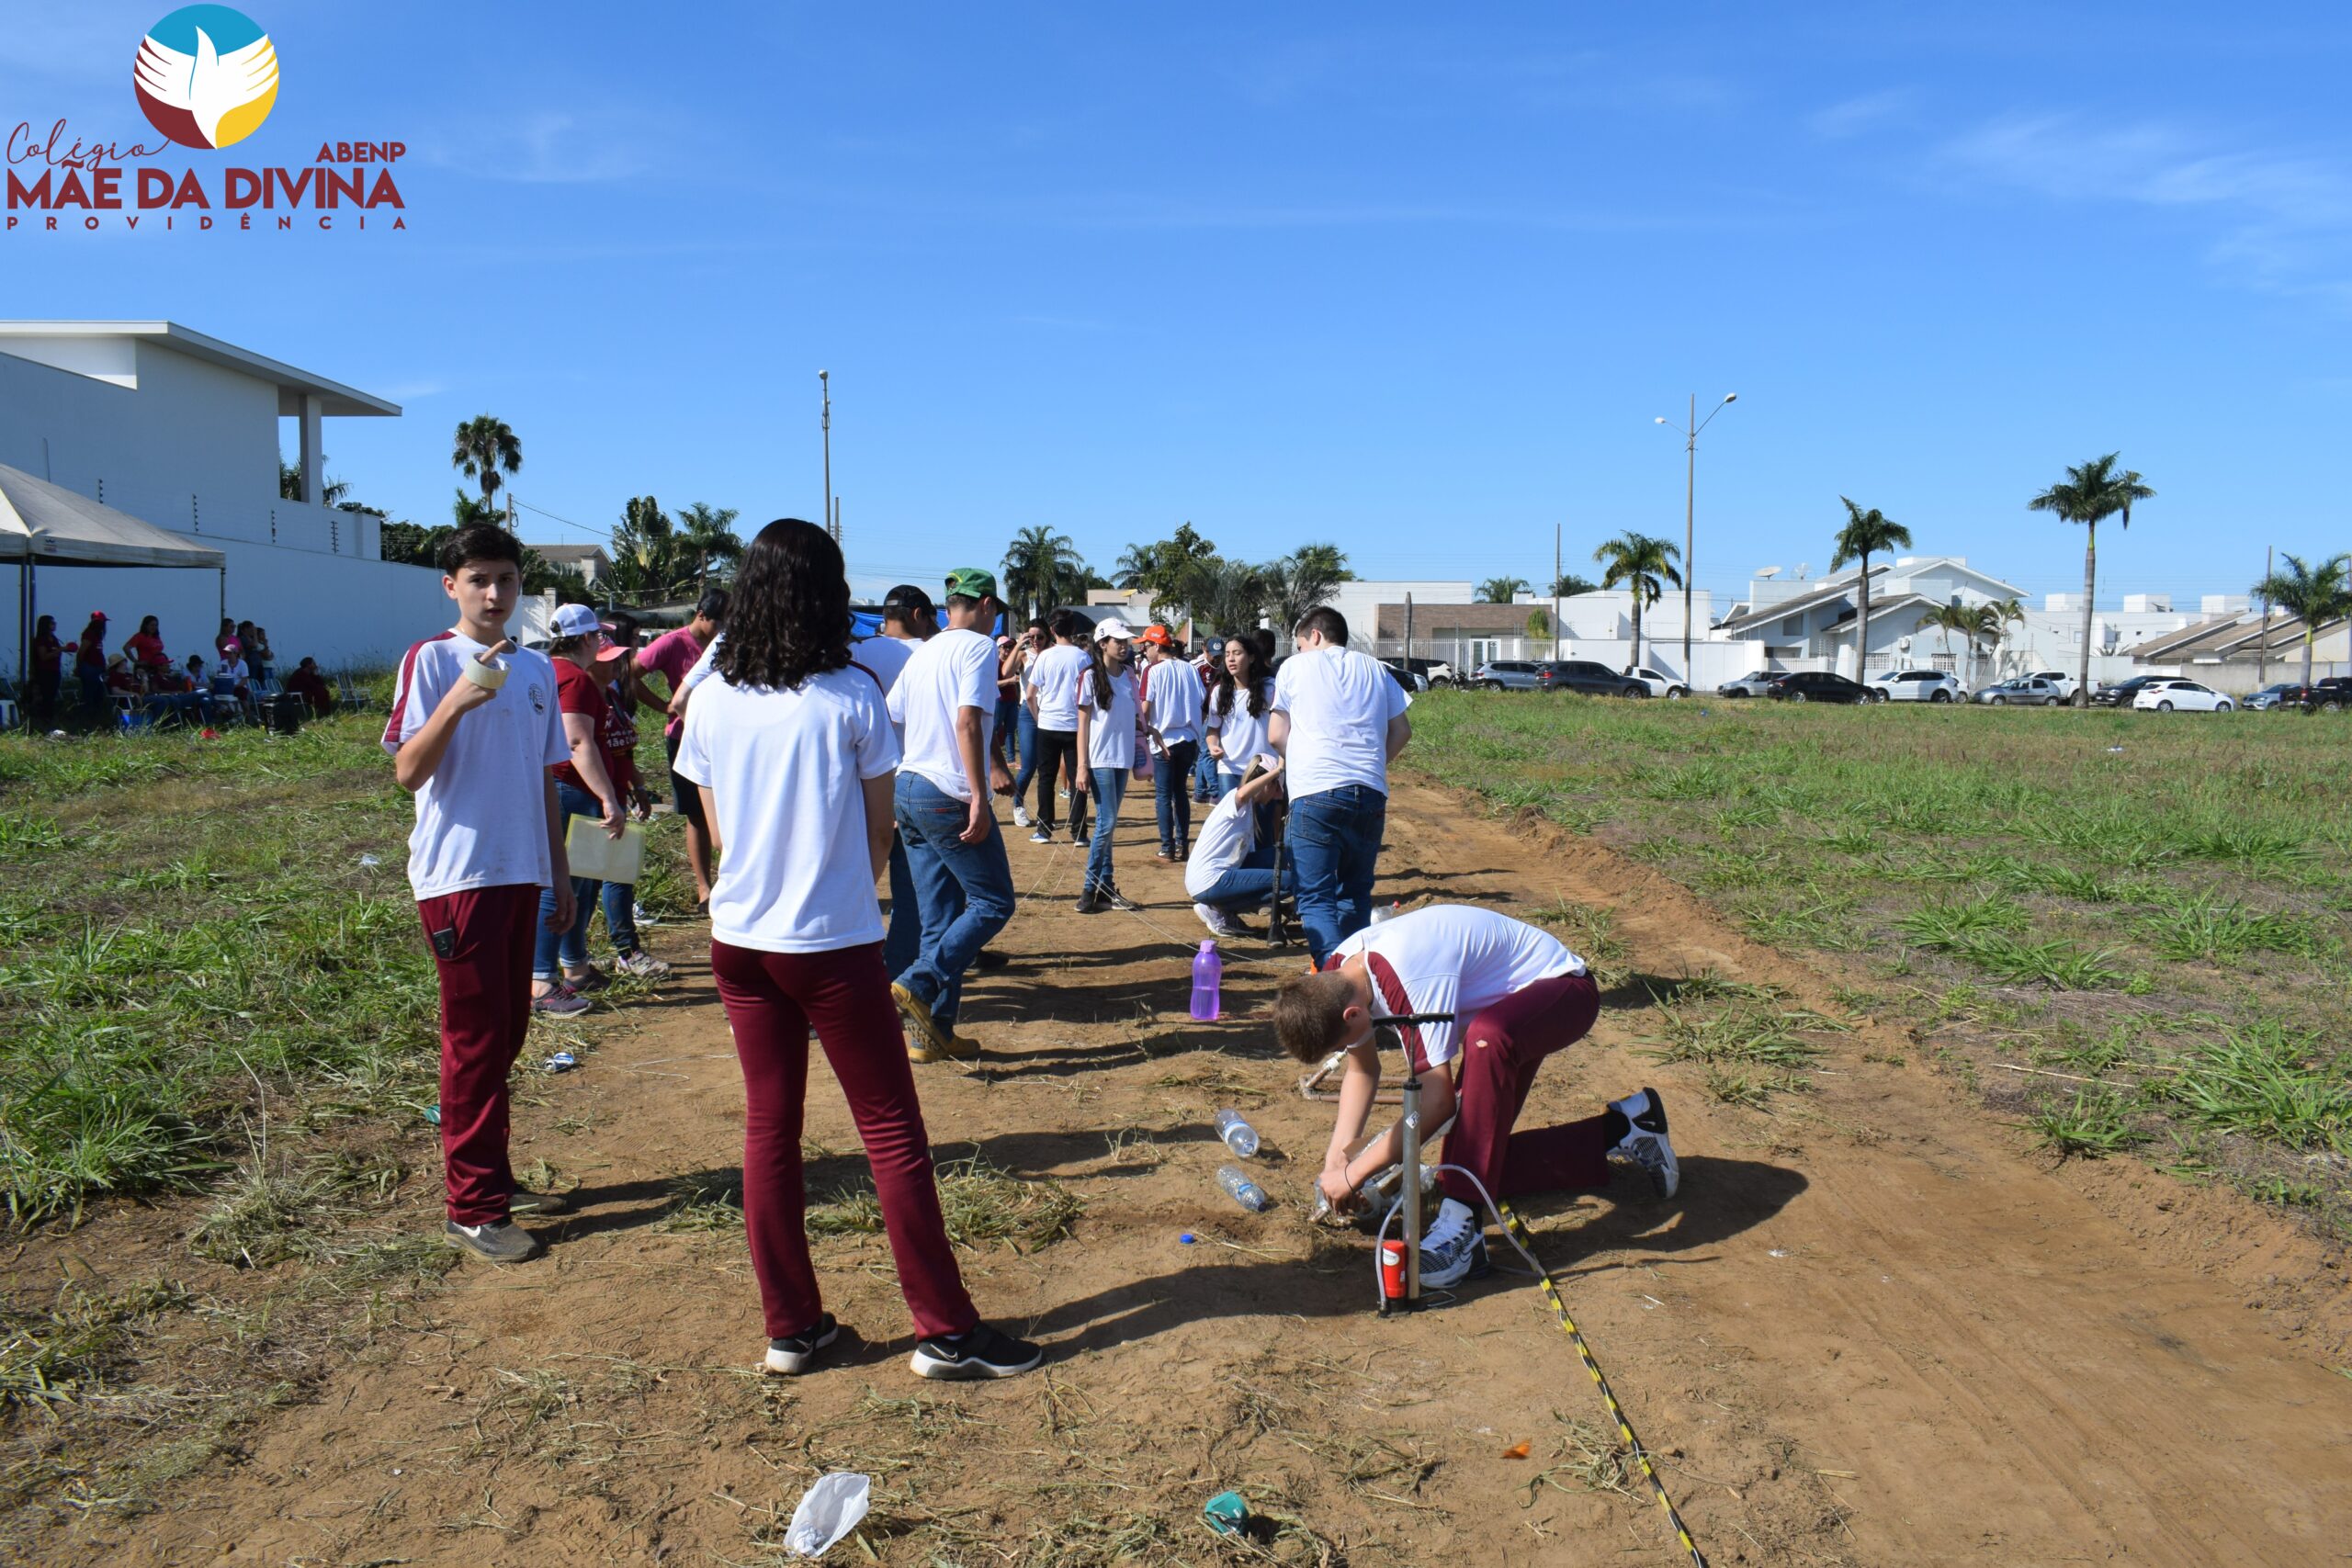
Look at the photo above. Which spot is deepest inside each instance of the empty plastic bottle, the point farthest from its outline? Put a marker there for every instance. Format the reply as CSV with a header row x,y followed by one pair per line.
x,y
1238,1136
1243,1191
1209,971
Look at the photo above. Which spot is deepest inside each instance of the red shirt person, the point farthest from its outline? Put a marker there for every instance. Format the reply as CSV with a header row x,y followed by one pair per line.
x,y
145,647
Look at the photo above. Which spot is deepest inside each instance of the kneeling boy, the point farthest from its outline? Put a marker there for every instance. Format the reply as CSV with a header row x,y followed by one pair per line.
x,y
1519,996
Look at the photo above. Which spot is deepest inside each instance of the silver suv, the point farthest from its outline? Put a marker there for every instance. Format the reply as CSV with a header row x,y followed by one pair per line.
x,y
1916,686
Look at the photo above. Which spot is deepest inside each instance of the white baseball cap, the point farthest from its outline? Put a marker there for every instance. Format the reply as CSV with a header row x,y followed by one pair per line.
x,y
1112,626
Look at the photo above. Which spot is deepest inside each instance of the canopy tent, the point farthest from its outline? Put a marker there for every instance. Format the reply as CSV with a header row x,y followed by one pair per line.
x,y
41,523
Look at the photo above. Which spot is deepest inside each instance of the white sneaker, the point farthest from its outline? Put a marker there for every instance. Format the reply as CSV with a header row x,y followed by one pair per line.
x,y
1454,1249
1021,816
1645,1144
1217,920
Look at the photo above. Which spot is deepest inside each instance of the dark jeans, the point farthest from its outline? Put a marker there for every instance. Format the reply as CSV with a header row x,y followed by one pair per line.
x,y
1334,844
1243,887
1171,791
570,946
964,890
905,937
94,684
1205,775
1025,729
1056,748
1109,787
1006,734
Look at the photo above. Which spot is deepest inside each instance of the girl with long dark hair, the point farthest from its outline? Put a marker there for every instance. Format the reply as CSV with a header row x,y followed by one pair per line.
x,y
1238,705
1106,751
791,747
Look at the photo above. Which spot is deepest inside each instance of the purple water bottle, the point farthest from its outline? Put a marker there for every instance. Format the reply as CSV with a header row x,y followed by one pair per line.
x,y
1208,969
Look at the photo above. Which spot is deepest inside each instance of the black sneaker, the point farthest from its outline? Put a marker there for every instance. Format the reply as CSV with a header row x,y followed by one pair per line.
x,y
792,1355
980,1352
988,961
1113,900
522,1202
1644,1143
500,1241
1090,899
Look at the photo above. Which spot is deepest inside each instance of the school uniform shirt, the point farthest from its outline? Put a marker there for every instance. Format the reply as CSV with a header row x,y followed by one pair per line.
x,y
1241,732
146,648
617,737
1056,676
1339,703
48,653
1220,844
481,819
784,770
577,691
953,670
1111,733
1173,689
1453,958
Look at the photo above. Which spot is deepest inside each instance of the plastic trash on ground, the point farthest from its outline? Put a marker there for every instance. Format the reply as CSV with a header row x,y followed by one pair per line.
x,y
827,1511
1243,1191
1227,1513
562,1062
369,860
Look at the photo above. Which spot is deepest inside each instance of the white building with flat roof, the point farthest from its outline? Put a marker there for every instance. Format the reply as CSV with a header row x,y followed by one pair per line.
x,y
181,431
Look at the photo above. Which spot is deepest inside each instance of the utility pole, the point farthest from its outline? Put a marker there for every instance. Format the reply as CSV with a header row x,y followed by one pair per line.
x,y
1690,507
836,523
2262,643
825,423
1555,592
1408,635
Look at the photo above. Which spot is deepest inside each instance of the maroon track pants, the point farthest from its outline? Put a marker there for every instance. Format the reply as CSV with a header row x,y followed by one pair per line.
x,y
773,1000
1501,1048
481,944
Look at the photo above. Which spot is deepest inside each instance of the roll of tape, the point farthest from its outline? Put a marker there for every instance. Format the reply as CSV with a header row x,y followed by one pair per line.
x,y
480,674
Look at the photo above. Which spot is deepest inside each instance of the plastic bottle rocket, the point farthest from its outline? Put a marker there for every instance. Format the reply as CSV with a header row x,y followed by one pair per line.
x,y
1209,972
1238,1136
1242,1190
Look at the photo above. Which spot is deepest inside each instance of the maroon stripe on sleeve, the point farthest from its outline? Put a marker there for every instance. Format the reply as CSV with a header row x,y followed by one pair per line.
x,y
400,695
1393,998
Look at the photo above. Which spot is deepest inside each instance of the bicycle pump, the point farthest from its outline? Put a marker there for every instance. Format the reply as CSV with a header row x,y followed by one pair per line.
x,y
1400,1277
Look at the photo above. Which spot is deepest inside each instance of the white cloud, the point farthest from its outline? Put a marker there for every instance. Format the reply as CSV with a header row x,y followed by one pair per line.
x,y
1853,116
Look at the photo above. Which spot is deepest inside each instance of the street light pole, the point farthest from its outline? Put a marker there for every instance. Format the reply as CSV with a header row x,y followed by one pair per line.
x,y
1690,506
825,423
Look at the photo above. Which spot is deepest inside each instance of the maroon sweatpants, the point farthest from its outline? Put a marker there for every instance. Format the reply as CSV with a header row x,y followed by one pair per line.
x,y
773,1000
1502,1047
481,944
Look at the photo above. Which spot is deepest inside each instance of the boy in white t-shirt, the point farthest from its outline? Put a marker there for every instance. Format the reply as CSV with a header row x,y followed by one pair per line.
x,y
1518,995
473,730
1338,719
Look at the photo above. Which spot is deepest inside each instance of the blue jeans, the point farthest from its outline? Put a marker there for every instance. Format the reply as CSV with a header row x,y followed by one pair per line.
x,y
1109,787
1334,844
965,892
1205,775
1025,729
1243,887
620,915
905,936
1222,784
570,946
1171,791
1006,734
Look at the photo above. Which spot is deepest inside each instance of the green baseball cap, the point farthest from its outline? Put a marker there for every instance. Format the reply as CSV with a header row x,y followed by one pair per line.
x,y
971,582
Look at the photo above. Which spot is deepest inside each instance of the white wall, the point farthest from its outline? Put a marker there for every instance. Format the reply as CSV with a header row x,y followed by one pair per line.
x,y
341,610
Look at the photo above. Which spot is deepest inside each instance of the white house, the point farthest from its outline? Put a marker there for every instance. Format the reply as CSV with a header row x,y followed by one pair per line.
x,y
181,431
1812,624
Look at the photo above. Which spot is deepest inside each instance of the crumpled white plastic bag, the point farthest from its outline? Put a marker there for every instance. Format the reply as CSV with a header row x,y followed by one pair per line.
x,y
827,1511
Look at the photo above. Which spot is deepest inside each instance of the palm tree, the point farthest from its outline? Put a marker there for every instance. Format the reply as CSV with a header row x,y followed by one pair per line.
x,y
1645,565
1233,595
1134,564
1866,534
2090,494
1951,618
1567,585
332,492
645,551
1326,562
466,509
1297,582
485,445
1993,620
2316,594
1039,567
1500,590
706,534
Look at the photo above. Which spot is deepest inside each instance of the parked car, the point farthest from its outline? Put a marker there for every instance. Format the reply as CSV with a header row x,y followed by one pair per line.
x,y
2275,696
1916,686
2121,692
1660,685
2026,690
1593,679
1819,686
1758,684
1433,671
2065,683
1511,675
2164,696
2334,691
1406,676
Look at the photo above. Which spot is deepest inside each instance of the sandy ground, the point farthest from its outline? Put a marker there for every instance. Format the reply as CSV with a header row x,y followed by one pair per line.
x,y
1871,1329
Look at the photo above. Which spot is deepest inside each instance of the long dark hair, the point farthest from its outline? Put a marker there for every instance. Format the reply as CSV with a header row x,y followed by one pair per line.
x,y
788,617
149,626
1098,670
1221,699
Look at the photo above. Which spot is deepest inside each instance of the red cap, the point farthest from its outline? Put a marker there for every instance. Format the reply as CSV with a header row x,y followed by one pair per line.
x,y
1157,634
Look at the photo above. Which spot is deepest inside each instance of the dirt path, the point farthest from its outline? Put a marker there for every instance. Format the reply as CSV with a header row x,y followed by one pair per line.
x,y
1870,1331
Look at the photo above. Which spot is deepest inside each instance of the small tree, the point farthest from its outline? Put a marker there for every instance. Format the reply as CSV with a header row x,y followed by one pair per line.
x,y
2316,594
1500,590
1539,624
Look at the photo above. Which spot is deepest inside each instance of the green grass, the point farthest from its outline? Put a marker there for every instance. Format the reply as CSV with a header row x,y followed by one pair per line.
x,y
2172,918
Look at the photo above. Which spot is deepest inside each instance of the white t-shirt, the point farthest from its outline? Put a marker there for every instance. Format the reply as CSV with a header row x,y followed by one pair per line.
x,y
885,655
1453,958
953,670
1111,735
1056,673
1240,732
784,769
1173,688
702,670
1339,703
231,670
1223,841
481,819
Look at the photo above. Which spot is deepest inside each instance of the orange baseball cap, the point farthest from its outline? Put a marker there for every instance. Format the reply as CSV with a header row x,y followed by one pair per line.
x,y
1157,635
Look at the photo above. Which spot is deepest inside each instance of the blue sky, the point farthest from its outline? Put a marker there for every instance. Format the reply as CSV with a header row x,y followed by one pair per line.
x,y
1414,284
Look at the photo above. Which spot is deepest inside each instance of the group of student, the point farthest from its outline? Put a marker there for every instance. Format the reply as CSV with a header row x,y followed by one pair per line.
x,y
242,664
810,765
